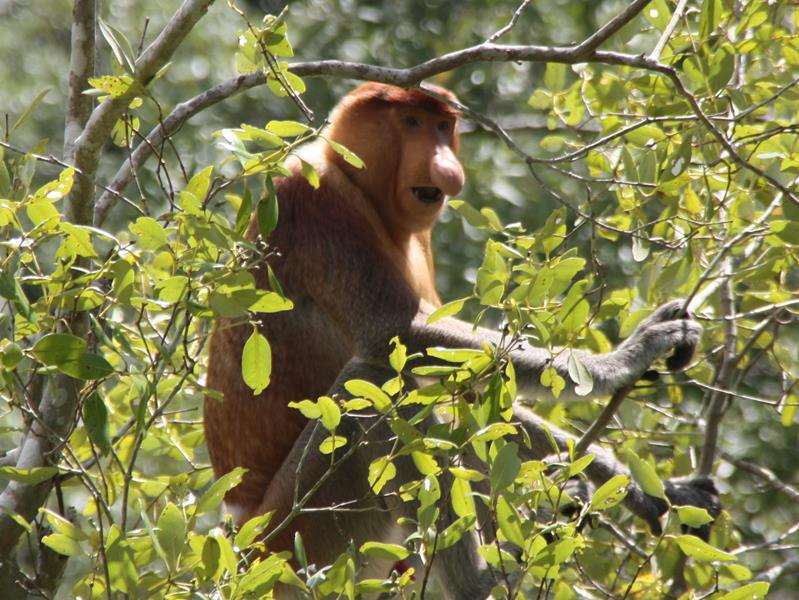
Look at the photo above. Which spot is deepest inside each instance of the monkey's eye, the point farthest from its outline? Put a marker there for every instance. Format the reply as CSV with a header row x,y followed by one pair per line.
x,y
444,125
411,121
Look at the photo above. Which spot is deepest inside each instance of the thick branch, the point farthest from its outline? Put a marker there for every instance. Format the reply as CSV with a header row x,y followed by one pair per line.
x,y
718,401
171,123
342,69
81,67
80,207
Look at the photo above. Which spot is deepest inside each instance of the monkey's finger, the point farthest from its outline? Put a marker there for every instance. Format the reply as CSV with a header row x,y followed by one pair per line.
x,y
681,357
651,375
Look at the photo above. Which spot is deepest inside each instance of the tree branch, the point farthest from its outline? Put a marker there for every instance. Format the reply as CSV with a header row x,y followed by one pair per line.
x,y
718,401
171,123
81,67
80,206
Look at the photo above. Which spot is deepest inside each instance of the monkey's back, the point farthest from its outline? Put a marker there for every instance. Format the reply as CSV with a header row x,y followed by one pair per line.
x,y
316,231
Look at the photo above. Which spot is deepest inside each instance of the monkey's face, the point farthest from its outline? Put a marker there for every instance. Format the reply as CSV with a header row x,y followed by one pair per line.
x,y
427,170
408,144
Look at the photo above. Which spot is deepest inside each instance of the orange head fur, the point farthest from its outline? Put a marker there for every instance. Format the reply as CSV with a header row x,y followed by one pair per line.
x,y
408,142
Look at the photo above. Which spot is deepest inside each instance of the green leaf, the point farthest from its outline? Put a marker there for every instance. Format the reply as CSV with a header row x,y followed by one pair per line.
x,y
213,496
658,14
267,211
693,516
88,366
150,234
579,465
287,128
61,525
120,46
499,559
346,154
455,355
461,497
251,530
10,289
30,476
368,390
505,467
381,471
580,375
610,493
701,551
398,356
256,362
265,139
95,419
709,17
29,110
555,76
645,136
270,302
645,475
467,474
58,348
261,576
171,533
453,534
121,561
552,143
332,443
509,521
309,410
199,184
492,432
722,68
447,310
244,212
124,279
551,378
380,551
310,174
751,591
472,216
172,289
329,412
63,544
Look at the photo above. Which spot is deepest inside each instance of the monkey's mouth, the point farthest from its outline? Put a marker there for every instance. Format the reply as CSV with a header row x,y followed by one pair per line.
x,y
428,194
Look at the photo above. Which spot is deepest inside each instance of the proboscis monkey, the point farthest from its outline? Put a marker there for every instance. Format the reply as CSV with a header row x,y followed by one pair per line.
x,y
355,257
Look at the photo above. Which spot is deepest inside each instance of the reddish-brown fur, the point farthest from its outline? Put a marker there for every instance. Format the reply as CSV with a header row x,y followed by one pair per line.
x,y
357,221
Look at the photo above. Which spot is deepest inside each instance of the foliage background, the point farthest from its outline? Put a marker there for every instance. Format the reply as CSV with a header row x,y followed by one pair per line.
x,y
34,45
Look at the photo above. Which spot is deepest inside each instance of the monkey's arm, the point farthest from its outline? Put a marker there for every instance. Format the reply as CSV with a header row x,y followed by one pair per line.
x,y
667,329
370,300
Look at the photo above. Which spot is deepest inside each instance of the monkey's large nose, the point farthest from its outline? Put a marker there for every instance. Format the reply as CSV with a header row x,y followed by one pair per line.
x,y
446,172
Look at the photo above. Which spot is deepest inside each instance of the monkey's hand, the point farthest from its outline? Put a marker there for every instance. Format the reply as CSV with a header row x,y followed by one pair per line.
x,y
699,492
668,329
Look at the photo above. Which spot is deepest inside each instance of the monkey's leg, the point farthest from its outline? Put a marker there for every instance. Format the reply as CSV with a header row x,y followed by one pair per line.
x,y
330,504
697,492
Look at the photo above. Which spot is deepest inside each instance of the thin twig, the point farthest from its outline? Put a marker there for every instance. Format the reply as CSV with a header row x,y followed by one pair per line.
x,y
510,25
664,38
598,426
